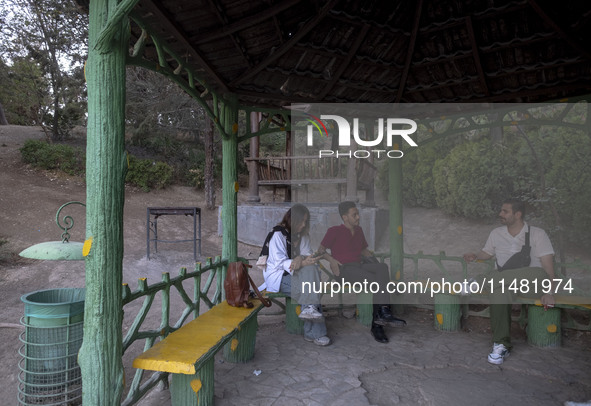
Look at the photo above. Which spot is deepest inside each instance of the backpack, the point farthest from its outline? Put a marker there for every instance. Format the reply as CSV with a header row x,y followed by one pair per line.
x,y
262,261
237,286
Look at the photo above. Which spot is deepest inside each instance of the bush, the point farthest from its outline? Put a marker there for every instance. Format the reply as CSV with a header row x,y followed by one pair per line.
x,y
148,174
42,155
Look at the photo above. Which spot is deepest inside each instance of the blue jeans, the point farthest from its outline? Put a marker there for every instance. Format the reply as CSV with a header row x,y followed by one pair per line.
x,y
312,329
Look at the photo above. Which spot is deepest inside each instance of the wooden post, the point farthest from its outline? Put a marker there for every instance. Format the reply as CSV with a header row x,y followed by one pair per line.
x,y
395,222
543,326
106,165
253,175
229,185
447,312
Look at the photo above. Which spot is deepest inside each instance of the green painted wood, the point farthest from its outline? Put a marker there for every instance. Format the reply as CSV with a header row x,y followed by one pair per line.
x,y
395,220
193,390
229,187
106,165
293,324
543,326
365,308
447,312
240,349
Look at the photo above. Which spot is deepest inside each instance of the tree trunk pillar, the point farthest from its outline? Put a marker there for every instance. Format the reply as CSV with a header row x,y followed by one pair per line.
x,y
253,179
106,165
395,220
229,186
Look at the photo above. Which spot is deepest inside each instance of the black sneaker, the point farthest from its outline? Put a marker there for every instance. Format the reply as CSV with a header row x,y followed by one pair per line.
x,y
384,317
377,332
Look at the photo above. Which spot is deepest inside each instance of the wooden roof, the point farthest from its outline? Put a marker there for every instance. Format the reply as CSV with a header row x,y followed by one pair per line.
x,y
275,52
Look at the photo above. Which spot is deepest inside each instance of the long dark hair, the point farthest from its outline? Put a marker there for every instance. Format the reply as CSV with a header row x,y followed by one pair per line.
x,y
296,215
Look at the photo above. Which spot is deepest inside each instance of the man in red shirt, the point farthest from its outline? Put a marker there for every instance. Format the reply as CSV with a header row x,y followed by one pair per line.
x,y
349,259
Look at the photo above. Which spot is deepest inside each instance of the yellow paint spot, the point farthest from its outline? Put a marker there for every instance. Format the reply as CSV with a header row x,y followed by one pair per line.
x,y
442,117
440,318
551,328
563,100
196,385
234,128
282,128
298,309
234,344
86,247
396,146
236,187
85,70
397,276
514,122
399,230
356,312
430,130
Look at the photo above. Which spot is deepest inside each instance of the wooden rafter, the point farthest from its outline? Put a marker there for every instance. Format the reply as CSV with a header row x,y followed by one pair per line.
x,y
287,46
246,22
563,34
410,51
345,64
217,7
476,56
168,22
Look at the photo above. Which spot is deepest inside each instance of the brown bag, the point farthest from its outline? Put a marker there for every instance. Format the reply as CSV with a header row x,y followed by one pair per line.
x,y
237,286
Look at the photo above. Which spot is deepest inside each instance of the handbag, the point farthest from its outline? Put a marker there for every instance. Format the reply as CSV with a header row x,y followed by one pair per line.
x,y
520,259
237,286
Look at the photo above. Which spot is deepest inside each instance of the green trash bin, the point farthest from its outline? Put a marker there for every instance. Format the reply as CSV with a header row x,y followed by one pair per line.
x,y
53,321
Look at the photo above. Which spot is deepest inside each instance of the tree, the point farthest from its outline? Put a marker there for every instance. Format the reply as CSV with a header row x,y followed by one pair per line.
x,y
51,34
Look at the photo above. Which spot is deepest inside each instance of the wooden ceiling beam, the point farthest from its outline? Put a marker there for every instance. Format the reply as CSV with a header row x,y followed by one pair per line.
x,y
563,34
287,45
164,17
235,40
345,64
246,22
476,56
410,51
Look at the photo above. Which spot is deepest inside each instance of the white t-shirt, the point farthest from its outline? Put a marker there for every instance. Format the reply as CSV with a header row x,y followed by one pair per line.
x,y
278,260
503,245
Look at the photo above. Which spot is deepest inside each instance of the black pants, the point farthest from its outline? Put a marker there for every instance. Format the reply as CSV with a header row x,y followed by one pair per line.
x,y
357,272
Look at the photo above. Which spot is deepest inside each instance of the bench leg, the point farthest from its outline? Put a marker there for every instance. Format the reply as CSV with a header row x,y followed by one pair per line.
x,y
365,308
193,390
241,348
543,326
293,323
448,312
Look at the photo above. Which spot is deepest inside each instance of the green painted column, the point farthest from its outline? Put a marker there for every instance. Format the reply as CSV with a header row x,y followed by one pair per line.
x,y
100,356
229,184
395,217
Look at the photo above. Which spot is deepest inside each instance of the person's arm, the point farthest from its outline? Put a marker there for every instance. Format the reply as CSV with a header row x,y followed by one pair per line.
x,y
481,256
548,266
366,253
334,264
278,253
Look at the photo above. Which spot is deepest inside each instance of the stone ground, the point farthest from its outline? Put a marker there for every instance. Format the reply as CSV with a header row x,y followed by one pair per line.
x,y
420,365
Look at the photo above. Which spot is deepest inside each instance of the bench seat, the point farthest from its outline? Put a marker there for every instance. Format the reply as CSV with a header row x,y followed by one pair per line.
x,y
188,353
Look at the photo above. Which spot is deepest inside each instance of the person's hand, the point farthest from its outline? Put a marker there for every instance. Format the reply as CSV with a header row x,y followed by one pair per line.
x,y
469,257
547,301
296,263
334,267
310,260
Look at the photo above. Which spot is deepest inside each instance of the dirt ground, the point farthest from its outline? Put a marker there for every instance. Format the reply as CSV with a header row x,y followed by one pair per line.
x,y
28,202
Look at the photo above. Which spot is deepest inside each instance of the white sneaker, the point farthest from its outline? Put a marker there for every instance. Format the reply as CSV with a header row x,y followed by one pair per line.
x,y
321,341
498,354
310,313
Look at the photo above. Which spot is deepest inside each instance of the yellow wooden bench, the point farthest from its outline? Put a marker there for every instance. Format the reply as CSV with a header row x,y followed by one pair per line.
x,y
188,353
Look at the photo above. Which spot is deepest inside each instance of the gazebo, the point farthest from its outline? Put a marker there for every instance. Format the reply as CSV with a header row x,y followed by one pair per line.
x,y
260,56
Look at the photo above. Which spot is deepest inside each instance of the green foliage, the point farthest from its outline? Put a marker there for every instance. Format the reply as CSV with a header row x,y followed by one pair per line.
x,y
42,155
148,174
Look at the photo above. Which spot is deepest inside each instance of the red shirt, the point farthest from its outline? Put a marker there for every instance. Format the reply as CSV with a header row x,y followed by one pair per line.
x,y
344,246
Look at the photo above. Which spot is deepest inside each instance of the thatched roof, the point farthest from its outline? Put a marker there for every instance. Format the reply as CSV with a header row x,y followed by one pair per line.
x,y
274,52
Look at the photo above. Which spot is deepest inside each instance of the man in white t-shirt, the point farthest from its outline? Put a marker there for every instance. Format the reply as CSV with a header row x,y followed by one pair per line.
x,y
503,243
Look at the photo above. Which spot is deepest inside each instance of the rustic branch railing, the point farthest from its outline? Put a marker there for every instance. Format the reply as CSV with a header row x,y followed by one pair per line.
x,y
138,388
